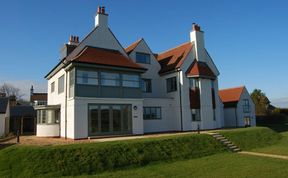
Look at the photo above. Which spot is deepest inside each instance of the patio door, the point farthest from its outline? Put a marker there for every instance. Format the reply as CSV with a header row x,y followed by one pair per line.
x,y
109,119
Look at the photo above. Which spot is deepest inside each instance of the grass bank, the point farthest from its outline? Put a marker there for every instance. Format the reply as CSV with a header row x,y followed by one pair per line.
x,y
219,165
251,138
94,158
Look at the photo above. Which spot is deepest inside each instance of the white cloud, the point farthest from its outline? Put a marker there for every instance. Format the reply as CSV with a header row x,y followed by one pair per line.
x,y
280,102
25,85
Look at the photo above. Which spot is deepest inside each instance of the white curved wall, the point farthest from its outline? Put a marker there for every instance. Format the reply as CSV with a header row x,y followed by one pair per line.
x,y
51,130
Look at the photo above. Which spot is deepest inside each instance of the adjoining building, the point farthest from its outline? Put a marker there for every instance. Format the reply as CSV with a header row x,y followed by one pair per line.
x,y
100,88
239,109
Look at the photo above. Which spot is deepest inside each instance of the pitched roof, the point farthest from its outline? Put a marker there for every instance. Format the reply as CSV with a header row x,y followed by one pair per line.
x,y
3,104
231,94
101,56
200,69
22,111
38,97
173,58
131,47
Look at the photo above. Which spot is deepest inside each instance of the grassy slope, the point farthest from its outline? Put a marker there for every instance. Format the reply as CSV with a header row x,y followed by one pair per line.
x,y
27,161
254,137
280,148
219,165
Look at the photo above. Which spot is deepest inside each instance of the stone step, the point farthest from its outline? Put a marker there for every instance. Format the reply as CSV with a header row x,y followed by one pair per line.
x,y
232,147
236,149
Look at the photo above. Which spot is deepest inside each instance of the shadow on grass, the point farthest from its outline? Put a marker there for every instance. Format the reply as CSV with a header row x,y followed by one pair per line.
x,y
2,146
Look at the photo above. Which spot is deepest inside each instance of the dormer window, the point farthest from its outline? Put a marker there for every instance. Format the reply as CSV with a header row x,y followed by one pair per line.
x,y
142,58
194,83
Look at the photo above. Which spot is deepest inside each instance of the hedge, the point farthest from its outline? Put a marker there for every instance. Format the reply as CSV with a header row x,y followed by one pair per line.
x,y
93,158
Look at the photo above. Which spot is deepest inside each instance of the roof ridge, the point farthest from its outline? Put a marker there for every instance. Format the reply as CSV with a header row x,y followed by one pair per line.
x,y
242,86
174,48
132,45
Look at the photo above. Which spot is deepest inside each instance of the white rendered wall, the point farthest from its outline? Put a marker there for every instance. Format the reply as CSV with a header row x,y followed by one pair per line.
x,y
58,99
100,37
2,124
47,130
81,114
152,71
168,121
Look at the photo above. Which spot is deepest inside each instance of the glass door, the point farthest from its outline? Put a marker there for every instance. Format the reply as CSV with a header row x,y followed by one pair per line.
x,y
109,119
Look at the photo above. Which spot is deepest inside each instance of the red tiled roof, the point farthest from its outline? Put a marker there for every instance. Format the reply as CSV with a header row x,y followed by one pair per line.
x,y
102,56
132,46
231,94
198,68
173,58
38,97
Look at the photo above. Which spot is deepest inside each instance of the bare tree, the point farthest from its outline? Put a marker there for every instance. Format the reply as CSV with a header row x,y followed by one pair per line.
x,y
10,90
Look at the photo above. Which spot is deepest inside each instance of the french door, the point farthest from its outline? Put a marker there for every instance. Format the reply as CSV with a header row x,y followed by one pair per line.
x,y
109,119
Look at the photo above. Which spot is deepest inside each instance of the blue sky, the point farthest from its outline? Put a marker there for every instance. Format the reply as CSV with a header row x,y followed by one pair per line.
x,y
246,39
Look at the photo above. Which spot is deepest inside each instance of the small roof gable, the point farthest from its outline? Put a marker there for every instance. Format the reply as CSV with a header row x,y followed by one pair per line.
x,y
173,58
101,56
3,104
131,47
200,69
231,94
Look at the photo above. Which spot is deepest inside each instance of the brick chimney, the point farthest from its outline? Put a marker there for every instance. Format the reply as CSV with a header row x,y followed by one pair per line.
x,y
69,47
197,37
101,18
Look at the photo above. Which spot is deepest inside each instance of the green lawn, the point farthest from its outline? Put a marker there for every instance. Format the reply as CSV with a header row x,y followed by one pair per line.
x,y
280,148
219,165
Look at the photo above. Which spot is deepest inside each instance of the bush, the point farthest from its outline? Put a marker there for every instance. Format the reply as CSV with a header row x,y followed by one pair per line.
x,y
253,137
93,158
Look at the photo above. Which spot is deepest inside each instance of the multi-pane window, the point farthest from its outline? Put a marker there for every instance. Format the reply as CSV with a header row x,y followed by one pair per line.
x,y
146,85
48,116
194,83
132,81
87,77
195,114
246,106
142,58
61,84
152,113
110,79
52,87
171,84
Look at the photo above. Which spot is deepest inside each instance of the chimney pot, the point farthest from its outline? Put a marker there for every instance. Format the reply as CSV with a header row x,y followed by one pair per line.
x,y
103,10
99,9
195,27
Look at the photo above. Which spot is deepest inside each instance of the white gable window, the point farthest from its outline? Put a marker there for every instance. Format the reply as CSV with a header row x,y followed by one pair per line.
x,y
52,87
61,84
87,77
194,83
146,85
195,114
171,84
130,81
246,106
110,79
142,58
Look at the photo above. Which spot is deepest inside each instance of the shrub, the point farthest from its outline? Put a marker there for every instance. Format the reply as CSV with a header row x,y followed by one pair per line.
x,y
92,158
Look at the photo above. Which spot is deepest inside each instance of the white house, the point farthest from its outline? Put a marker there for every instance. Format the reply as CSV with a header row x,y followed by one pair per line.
x,y
239,109
4,108
100,88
